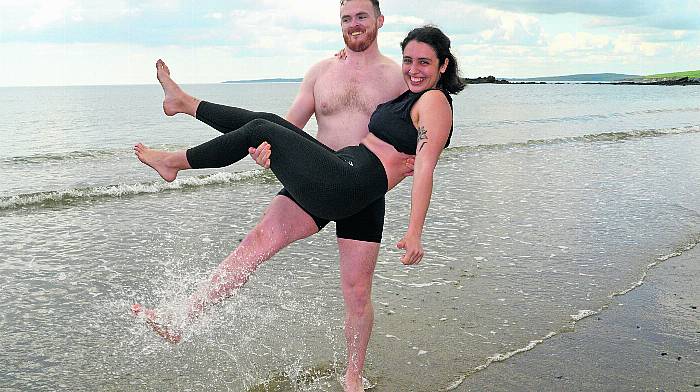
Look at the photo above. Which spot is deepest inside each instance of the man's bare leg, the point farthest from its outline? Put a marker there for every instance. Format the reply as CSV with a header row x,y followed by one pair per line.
x,y
357,262
283,222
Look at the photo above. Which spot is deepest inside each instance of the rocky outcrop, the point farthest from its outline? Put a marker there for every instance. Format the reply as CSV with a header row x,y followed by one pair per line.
x,y
488,79
685,81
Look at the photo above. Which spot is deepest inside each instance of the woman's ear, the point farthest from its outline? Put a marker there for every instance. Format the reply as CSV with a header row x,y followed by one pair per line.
x,y
443,67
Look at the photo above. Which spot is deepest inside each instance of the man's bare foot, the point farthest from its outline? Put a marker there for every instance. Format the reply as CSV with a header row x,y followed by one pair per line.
x,y
353,387
355,384
160,161
176,100
151,320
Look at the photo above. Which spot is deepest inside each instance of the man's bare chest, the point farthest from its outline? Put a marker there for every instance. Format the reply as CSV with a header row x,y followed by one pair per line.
x,y
337,92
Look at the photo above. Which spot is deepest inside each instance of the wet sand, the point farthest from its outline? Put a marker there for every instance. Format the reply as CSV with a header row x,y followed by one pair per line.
x,y
646,340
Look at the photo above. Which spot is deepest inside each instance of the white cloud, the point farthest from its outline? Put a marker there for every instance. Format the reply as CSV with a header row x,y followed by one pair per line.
x,y
577,42
401,20
634,44
314,12
99,64
50,13
215,15
680,34
37,15
511,28
249,39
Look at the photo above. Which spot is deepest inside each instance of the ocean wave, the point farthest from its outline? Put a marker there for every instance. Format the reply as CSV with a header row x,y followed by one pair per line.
x,y
50,157
584,117
588,138
57,198
64,156
54,198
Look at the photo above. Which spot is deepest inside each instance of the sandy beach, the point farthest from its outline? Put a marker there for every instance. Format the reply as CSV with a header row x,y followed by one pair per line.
x,y
646,340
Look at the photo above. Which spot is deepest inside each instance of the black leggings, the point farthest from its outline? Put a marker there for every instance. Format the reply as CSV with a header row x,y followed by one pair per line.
x,y
332,185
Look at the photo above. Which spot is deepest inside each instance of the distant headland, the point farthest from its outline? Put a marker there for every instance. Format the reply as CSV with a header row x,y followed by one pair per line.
x,y
669,79
275,80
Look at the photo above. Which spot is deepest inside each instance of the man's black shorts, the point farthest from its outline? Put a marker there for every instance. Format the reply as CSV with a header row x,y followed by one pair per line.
x,y
367,225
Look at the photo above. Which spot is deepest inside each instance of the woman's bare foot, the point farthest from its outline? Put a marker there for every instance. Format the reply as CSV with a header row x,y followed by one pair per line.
x,y
164,162
176,100
151,320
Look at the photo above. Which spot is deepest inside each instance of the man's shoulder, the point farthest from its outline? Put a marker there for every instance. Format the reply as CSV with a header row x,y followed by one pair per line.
x,y
392,73
386,65
389,62
321,67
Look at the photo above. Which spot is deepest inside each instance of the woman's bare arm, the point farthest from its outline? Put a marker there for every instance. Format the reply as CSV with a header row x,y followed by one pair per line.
x,y
432,116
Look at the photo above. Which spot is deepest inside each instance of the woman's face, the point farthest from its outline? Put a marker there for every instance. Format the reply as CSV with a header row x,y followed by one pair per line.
x,y
421,67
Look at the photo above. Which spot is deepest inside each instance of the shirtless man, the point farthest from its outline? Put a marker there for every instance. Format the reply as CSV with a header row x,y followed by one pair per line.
x,y
342,93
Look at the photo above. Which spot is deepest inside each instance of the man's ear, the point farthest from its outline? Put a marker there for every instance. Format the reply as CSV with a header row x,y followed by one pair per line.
x,y
380,21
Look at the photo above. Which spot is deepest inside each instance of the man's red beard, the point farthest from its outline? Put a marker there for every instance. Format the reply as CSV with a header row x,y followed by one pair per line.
x,y
369,37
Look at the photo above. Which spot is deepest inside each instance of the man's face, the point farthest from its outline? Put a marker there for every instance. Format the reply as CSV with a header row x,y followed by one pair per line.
x,y
360,24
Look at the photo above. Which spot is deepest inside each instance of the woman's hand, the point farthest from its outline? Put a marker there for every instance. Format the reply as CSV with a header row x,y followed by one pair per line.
x,y
411,243
261,155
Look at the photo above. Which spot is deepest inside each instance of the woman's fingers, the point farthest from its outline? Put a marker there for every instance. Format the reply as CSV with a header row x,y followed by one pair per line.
x,y
413,254
411,258
261,154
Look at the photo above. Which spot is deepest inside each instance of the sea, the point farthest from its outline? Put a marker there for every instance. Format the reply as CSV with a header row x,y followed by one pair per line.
x,y
552,201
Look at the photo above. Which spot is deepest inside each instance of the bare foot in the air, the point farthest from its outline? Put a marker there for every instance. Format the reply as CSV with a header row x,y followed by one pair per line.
x,y
164,162
151,319
176,100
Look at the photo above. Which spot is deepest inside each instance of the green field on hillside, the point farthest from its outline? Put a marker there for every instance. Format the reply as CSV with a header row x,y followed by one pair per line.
x,y
676,75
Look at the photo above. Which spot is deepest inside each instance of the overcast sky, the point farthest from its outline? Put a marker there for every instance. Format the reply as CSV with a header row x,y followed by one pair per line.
x,y
69,42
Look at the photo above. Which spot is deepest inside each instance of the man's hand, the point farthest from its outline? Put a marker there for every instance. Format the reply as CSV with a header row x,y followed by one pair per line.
x,y
414,250
341,55
261,155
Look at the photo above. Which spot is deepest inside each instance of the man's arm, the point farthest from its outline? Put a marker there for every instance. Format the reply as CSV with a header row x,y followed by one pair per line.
x,y
299,113
304,104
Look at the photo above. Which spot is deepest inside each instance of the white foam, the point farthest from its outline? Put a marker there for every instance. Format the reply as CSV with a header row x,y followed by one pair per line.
x,y
583,314
121,190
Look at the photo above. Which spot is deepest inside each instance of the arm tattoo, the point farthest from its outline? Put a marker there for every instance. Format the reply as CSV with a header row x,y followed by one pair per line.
x,y
422,135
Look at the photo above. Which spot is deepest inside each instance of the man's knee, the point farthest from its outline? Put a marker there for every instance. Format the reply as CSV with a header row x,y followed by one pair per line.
x,y
266,238
357,260
283,223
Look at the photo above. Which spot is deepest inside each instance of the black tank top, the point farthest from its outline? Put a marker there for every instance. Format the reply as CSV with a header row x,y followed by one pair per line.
x,y
392,123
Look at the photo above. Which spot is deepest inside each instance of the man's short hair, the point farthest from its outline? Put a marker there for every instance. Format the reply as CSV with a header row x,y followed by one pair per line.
x,y
375,4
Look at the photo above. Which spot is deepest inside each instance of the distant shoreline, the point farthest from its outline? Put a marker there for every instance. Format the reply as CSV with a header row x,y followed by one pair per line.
x,y
274,80
684,81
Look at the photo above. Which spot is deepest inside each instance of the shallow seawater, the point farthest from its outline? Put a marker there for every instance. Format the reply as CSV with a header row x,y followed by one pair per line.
x,y
550,201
